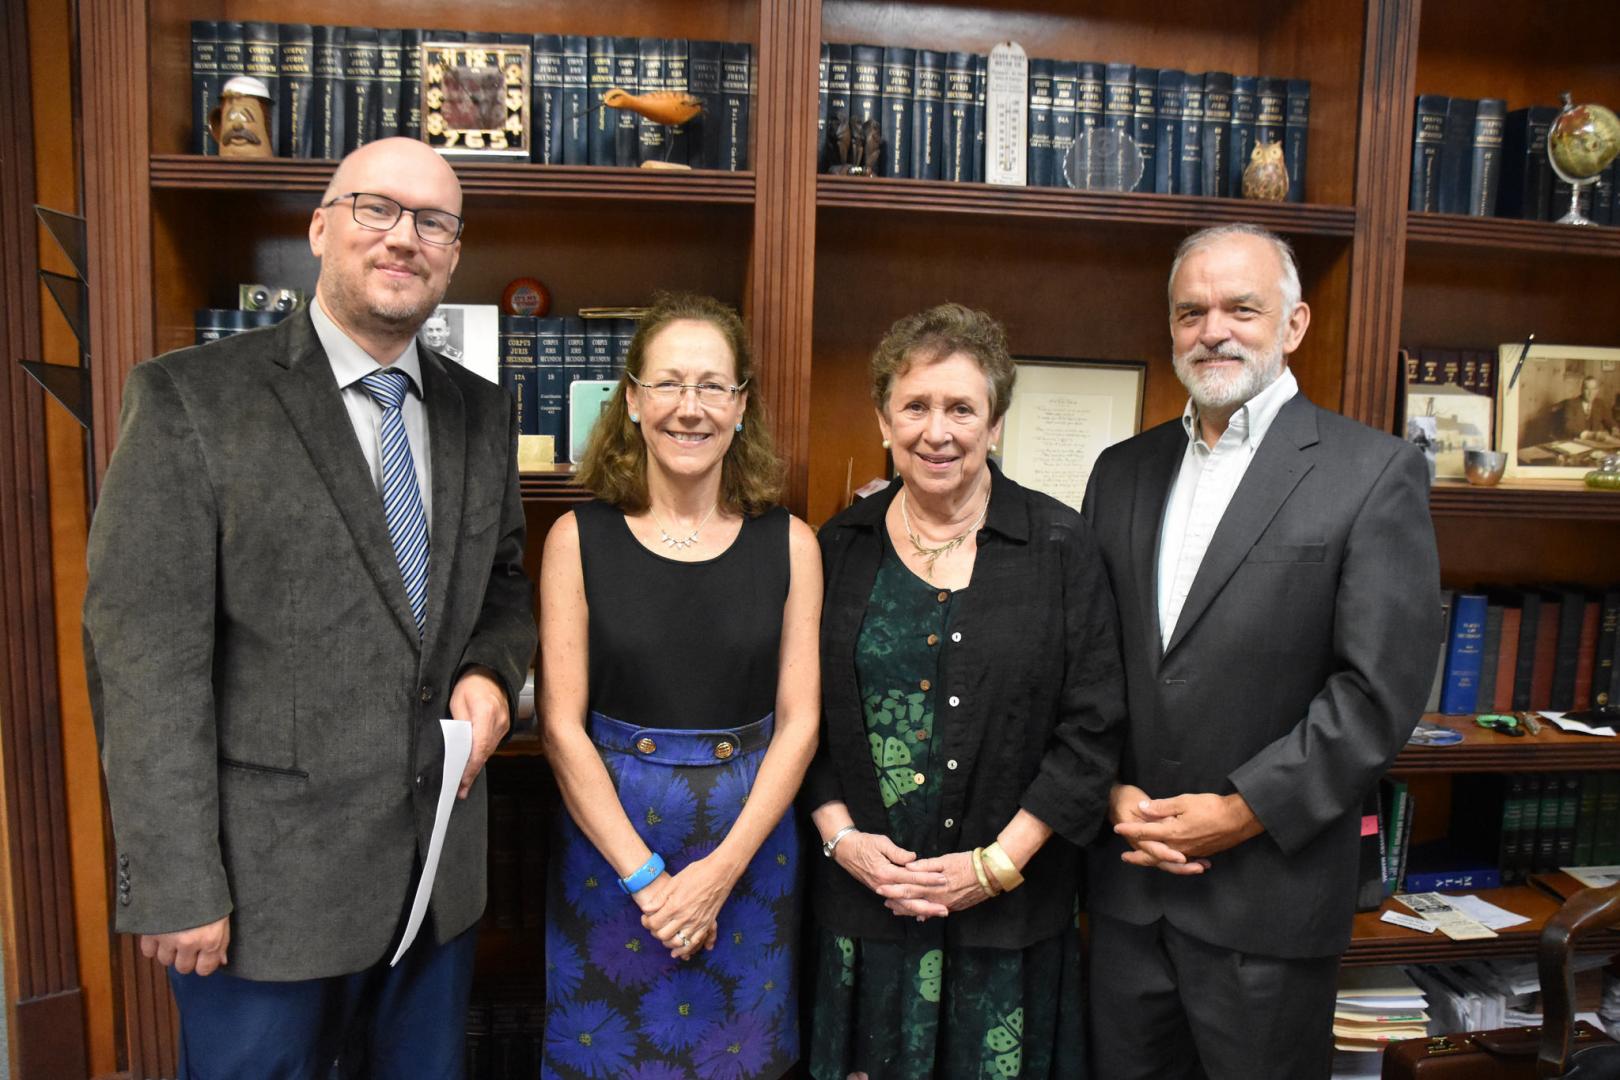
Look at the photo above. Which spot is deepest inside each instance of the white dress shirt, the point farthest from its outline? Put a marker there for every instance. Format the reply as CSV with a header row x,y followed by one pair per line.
x,y
1203,488
350,363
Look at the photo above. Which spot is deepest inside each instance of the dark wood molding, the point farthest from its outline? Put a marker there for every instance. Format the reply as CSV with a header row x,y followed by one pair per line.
x,y
1505,234
781,279
1185,212
117,206
1567,501
49,1036
1378,266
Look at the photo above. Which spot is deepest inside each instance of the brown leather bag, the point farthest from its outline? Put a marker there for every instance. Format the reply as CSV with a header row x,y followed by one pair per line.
x,y
1559,1048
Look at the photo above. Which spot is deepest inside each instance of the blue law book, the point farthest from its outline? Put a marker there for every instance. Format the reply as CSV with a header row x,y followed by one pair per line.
x,y
601,123
573,120
1145,130
1459,695
546,99
1167,131
518,374
550,376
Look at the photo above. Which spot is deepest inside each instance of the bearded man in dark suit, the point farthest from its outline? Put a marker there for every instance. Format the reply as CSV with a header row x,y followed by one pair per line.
x,y
1278,590
308,549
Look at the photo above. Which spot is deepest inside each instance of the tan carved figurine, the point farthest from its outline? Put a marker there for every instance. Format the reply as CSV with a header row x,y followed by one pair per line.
x,y
1266,177
240,123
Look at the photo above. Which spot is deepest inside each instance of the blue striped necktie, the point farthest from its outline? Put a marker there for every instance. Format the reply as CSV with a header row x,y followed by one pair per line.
x,y
402,502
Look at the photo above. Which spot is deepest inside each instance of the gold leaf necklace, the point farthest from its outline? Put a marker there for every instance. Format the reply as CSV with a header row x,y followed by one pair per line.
x,y
933,554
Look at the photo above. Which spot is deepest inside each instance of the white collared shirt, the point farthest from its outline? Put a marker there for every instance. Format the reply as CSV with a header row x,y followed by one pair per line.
x,y
350,363
1203,488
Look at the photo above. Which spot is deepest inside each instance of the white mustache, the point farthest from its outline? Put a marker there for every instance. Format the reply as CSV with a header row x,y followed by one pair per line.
x,y
1226,351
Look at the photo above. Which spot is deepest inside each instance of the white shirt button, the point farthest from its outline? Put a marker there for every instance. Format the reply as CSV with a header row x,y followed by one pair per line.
x,y
957,636
950,822
951,764
955,701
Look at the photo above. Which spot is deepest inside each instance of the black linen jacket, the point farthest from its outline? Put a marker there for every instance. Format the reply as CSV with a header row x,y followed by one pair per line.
x,y
1029,710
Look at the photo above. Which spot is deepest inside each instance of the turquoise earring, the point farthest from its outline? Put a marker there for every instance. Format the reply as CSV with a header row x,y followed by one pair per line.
x,y
634,419
739,425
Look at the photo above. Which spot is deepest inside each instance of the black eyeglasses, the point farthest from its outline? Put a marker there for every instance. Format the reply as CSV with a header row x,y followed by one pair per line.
x,y
382,213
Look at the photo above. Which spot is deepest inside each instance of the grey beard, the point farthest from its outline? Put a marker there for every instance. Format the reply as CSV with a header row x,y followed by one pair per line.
x,y
1260,370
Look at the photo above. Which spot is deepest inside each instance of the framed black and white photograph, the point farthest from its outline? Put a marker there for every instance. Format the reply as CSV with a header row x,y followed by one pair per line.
x,y
468,334
1562,416
1063,414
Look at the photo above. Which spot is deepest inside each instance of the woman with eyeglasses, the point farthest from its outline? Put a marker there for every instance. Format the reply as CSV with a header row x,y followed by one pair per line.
x,y
678,618
971,728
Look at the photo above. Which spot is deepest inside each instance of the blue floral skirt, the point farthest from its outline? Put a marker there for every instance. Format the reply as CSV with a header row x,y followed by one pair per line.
x,y
616,1004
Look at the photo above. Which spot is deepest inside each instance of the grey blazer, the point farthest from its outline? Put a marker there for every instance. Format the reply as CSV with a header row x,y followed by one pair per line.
x,y
268,718
1297,670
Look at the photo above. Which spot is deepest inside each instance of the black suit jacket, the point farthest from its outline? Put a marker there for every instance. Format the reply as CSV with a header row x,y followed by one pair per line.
x,y
1299,666
269,719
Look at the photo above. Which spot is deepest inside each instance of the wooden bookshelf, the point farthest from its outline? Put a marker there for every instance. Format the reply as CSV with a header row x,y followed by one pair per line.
x,y
1484,750
1375,942
551,487
1545,500
1495,234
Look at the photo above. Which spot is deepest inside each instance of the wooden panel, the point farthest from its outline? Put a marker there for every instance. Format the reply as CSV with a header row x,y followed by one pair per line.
x,y
1527,550
1456,299
1505,234
1489,751
1375,942
1543,500
1527,53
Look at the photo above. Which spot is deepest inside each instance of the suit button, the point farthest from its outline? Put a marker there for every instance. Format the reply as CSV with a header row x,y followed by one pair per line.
x,y
933,639
951,764
950,823
423,779
925,685
646,745
956,635
955,701
426,694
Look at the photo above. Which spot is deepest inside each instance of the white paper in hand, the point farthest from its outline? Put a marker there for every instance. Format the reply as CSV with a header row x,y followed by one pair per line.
x,y
457,749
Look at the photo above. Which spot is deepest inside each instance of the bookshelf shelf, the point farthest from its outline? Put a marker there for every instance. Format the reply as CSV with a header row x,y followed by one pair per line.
x,y
1489,751
192,172
1507,234
1374,942
526,745
1058,204
552,487
1529,499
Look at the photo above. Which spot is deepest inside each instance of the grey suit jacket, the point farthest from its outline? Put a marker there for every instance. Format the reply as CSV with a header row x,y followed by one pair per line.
x,y
268,718
1298,667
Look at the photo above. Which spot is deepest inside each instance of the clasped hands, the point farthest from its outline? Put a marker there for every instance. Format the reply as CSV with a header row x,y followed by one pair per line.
x,y
1178,835
920,888
687,903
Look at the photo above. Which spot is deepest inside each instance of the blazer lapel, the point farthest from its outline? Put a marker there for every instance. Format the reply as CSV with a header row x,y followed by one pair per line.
x,y
314,406
447,437
1155,472
1277,469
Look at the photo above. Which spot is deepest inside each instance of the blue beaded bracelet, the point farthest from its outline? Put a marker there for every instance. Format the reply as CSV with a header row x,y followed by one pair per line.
x,y
643,877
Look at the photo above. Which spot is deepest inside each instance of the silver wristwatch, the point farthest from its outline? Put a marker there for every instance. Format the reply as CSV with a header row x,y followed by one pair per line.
x,y
827,847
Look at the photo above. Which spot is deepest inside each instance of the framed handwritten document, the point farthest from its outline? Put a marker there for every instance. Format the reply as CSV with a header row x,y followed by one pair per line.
x,y
1063,414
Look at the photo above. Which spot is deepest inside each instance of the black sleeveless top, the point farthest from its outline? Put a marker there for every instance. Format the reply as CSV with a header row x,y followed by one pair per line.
x,y
677,644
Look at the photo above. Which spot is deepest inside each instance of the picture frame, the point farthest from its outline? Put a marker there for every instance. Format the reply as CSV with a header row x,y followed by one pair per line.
x,y
1547,427
1064,413
466,334
475,100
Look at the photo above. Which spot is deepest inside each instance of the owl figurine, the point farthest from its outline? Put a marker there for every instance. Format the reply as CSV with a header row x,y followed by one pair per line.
x,y
1266,177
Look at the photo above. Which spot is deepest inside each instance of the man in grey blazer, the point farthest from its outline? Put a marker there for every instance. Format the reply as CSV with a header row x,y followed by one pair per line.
x,y
308,549
1278,590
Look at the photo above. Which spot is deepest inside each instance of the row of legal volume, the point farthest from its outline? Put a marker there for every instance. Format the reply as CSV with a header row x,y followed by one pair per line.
x,y
921,114
335,88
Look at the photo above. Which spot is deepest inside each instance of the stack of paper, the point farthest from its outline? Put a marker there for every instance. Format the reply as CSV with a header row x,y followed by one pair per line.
x,y
1480,995
1375,1006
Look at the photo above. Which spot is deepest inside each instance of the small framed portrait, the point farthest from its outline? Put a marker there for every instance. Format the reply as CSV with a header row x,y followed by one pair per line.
x,y
1063,414
466,334
475,100
1559,418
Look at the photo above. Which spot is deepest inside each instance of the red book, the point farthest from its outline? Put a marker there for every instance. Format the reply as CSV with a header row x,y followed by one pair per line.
x,y
1507,660
1586,663
1541,674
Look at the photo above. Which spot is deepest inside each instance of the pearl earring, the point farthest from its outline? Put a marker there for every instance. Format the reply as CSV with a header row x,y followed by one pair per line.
x,y
995,448
634,419
885,444
739,425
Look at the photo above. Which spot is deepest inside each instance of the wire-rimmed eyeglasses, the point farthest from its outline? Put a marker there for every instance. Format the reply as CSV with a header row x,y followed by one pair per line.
x,y
382,213
715,394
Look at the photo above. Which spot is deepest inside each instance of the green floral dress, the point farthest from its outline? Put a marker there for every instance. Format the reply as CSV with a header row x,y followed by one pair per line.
x,y
916,1008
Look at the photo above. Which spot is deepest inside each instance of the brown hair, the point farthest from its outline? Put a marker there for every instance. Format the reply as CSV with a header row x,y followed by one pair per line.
x,y
615,465
936,334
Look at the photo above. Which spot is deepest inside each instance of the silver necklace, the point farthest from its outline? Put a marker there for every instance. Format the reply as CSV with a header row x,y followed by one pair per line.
x,y
680,543
933,553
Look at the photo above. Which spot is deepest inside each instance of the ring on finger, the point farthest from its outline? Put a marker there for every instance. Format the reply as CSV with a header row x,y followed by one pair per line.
x,y
680,936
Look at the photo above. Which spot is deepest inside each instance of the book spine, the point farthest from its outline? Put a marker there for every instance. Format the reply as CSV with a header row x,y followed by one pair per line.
x,y
1428,145
1512,829
928,115
261,57
705,131
1586,659
898,100
545,99
1145,126
1422,881
1119,115
1529,826
1040,165
1539,197
627,77
736,74
823,78
677,80
1507,659
624,332
1270,107
1569,805
1586,814
1190,169
1065,122
1240,143
327,115
1552,800
1485,170
297,63
650,135
1566,655
866,83
957,142
410,84
232,51
1296,137
1606,669
1606,838
1524,663
838,89
1433,705
1463,661
601,120
1167,131
390,82
1490,648
517,333
360,87
981,95
1545,657
1456,155
1090,92
598,348
576,366
551,392
1217,129
1394,795
575,119
205,83
1603,197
